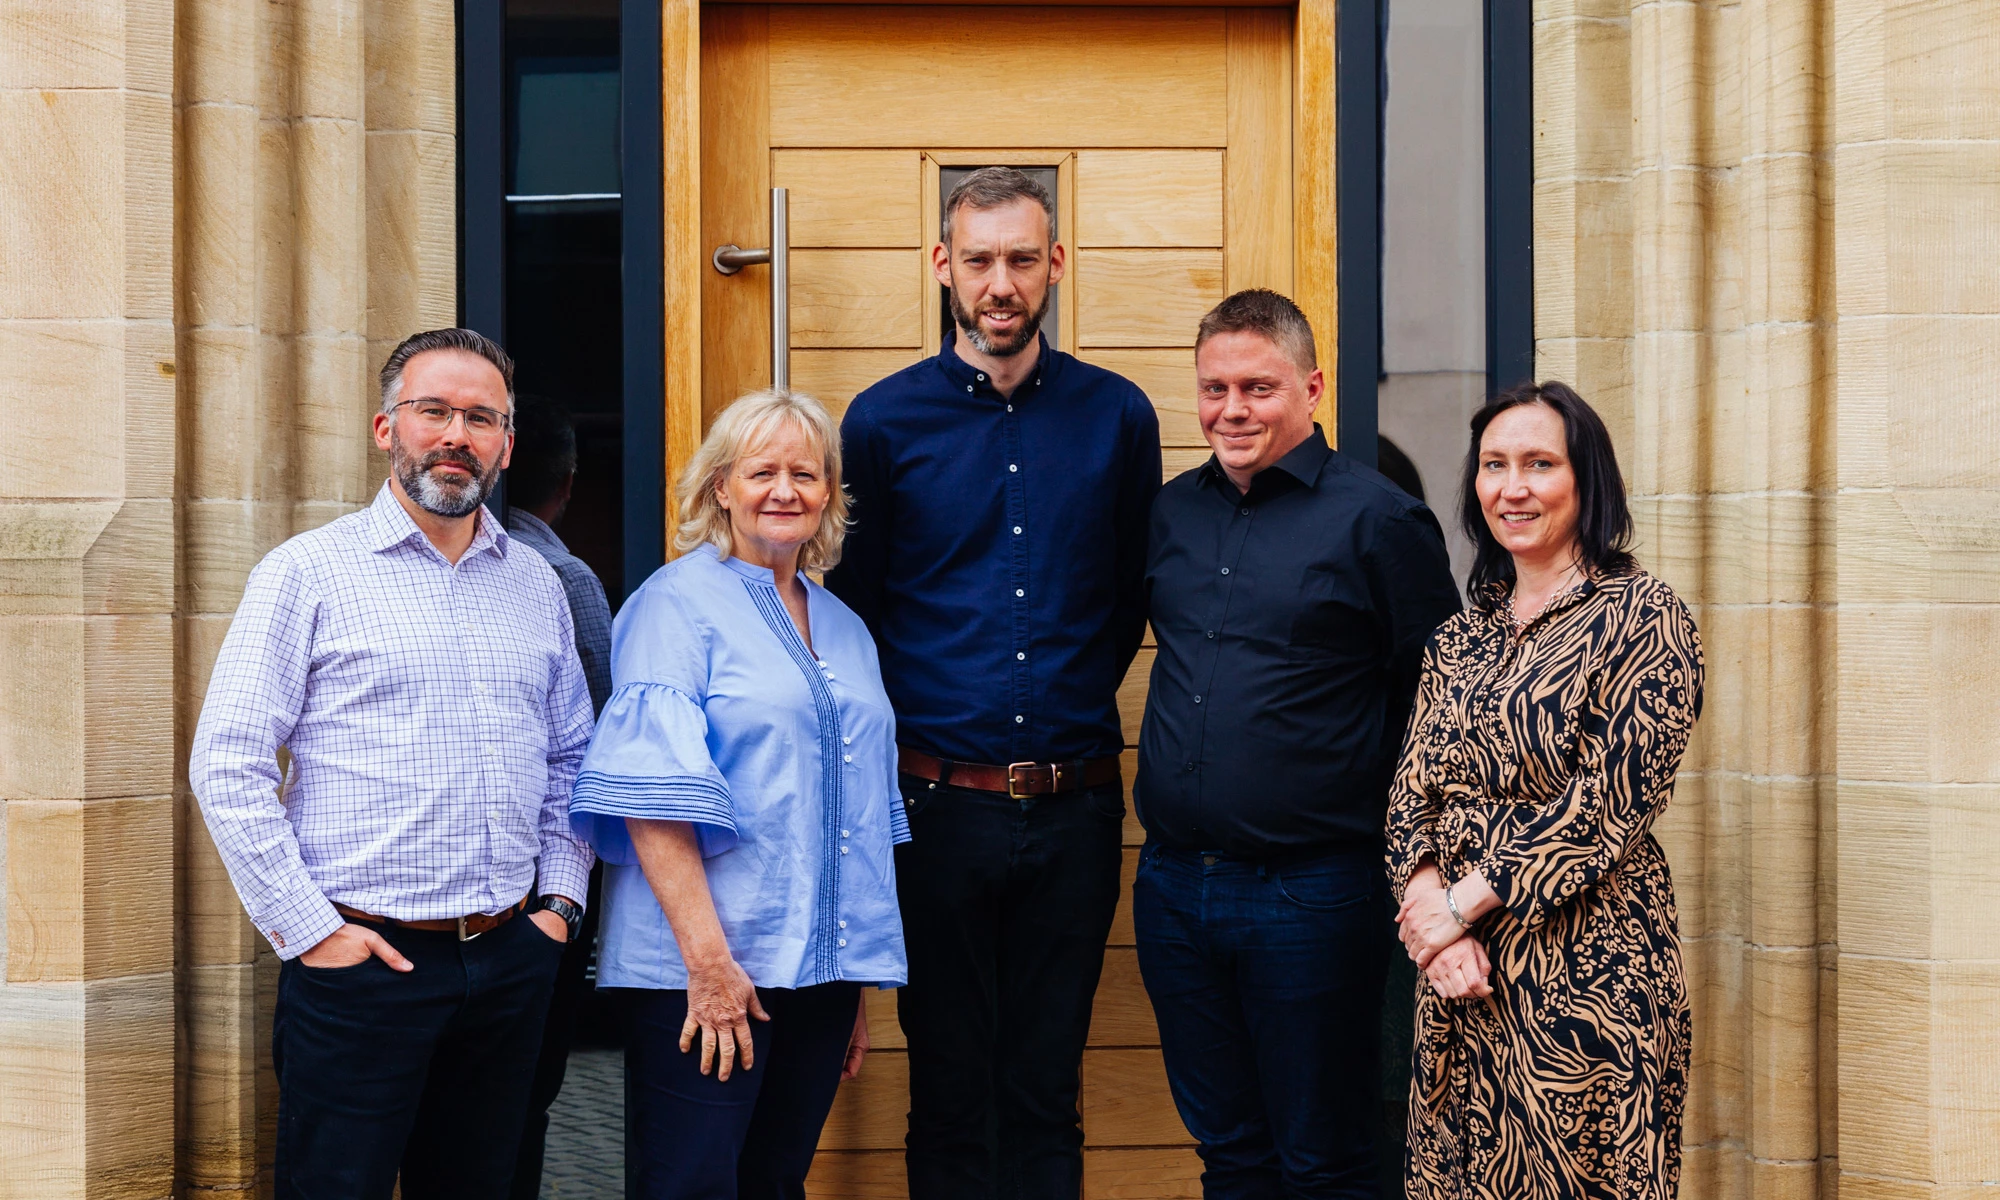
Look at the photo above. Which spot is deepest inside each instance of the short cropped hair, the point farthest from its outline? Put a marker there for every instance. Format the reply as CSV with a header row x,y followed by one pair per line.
x,y
1263,311
464,340
993,187
544,451
1603,520
743,427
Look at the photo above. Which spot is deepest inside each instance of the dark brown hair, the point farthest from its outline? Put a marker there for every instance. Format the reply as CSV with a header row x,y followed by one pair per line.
x,y
992,187
1603,522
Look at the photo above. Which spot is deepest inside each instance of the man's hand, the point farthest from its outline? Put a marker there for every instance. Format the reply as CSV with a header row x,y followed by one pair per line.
x,y
351,944
857,1045
1461,969
551,924
721,1001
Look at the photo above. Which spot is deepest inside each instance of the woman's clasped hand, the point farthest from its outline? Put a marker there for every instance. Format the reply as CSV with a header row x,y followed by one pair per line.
x,y
1451,958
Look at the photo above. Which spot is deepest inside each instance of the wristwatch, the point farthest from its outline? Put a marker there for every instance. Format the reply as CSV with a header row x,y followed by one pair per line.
x,y
572,915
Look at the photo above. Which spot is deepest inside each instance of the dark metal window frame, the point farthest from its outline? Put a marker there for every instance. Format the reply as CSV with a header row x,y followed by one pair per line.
x,y
1510,193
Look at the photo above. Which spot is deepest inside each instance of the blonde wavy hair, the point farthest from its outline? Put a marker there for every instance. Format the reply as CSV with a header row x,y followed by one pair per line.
x,y
743,427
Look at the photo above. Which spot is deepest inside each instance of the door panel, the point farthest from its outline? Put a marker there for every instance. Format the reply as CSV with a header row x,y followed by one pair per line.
x,y
909,76
1170,134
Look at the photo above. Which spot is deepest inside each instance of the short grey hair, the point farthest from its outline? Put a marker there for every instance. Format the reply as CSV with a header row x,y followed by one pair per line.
x,y
741,428
993,187
1263,311
463,340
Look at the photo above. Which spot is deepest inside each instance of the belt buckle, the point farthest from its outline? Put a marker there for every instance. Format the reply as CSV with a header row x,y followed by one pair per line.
x,y
1014,779
466,937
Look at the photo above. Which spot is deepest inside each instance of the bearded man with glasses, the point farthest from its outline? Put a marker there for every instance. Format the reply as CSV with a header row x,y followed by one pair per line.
x,y
422,675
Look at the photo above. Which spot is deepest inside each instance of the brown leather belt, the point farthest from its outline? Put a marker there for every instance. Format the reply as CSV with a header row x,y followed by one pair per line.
x,y
466,928
1015,779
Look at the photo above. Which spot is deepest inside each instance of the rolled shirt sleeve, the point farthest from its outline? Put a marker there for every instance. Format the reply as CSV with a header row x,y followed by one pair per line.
x,y
255,696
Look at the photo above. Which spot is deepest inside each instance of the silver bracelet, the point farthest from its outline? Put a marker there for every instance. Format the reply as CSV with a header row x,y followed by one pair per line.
x,y
1455,914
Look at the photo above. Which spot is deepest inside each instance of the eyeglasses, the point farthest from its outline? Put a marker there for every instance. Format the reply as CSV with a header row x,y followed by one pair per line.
x,y
435,416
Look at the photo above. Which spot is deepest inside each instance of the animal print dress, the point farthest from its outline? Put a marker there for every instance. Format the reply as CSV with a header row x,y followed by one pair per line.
x,y
1541,757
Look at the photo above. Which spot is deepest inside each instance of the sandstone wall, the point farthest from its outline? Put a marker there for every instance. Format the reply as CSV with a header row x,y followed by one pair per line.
x,y
1765,246
218,216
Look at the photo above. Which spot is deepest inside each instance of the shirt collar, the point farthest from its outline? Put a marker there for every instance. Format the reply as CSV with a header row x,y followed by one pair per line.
x,y
972,379
390,525
532,529
1303,462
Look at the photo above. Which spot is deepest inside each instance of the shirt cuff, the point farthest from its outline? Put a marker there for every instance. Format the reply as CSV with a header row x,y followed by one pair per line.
x,y
564,870
294,925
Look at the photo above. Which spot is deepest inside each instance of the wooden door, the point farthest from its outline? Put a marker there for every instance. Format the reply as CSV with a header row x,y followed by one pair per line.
x,y
1170,135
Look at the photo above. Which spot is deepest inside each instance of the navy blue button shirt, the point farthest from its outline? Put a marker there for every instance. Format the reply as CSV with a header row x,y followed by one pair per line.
x,y
998,552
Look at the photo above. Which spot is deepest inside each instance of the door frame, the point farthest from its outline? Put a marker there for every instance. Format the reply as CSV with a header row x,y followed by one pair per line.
x,y
1318,234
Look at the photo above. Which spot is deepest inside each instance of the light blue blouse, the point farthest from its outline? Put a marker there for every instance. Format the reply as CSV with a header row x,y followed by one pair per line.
x,y
784,761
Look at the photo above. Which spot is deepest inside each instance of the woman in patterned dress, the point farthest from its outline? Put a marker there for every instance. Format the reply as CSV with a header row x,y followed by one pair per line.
x,y
1552,1029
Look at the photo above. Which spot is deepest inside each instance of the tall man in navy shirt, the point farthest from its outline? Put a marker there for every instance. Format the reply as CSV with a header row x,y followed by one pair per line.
x,y
1001,493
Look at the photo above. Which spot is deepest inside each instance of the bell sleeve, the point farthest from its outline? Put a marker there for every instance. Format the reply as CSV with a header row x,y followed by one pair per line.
x,y
1644,701
1414,800
650,757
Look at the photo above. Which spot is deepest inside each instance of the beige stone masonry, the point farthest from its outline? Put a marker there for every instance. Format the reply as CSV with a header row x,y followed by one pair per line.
x,y
217,217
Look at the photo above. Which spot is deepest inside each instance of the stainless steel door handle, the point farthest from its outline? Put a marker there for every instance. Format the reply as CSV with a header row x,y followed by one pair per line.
x,y
730,259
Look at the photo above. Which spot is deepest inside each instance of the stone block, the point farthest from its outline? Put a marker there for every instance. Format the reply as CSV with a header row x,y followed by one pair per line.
x,y
1938,70
238,432
1965,1112
328,76
395,207
90,893
1781,202
128,706
130,567
1862,267
1667,371
1783,1180
336,401
219,146
219,1141
1885,656
146,194
1784,1053
1965,721
128,1066
52,44
1866,399
409,50
42,707
1943,218
62,397
329,165
1787,386
149,426
45,894
1886,899
1783,860
1786,723
1671,268
1886,1060
42,1108
1883,559
1964,829
220,50
224,539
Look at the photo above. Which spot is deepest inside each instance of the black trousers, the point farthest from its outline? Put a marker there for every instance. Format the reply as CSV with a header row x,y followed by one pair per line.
x,y
425,1073
572,991
694,1137
1006,905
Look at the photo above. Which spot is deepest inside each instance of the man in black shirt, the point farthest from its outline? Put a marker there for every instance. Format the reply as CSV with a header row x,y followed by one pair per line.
x,y
1291,592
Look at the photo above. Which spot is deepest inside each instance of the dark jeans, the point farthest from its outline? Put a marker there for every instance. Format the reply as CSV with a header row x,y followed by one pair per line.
x,y
1267,983
425,1073
694,1137
572,991
1006,905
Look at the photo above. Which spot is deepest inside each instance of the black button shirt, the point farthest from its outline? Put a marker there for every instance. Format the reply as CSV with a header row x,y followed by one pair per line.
x,y
1291,624
998,552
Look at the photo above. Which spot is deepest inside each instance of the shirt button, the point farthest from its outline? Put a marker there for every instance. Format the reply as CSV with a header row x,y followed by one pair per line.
x,y
1197,699
843,849
1011,467
1018,718
843,833
847,741
1243,511
1020,592
968,387
1225,570
843,924
980,378
1211,634
1010,408
847,758
1017,529
1020,656
1190,768
843,941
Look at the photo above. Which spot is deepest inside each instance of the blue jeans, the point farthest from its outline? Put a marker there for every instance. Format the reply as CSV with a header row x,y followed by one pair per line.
x,y
1267,984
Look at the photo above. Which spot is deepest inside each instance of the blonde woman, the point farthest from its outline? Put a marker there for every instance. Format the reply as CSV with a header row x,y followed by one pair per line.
x,y
741,790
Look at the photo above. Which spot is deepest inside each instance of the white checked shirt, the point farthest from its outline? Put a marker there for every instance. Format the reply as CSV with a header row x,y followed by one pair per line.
x,y
435,718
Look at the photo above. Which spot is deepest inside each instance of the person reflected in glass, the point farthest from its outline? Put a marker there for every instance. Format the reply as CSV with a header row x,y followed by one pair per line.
x,y
1552,1029
741,790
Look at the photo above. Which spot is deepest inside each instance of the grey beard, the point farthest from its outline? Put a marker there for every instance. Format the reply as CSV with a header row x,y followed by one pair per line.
x,y
441,499
986,345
